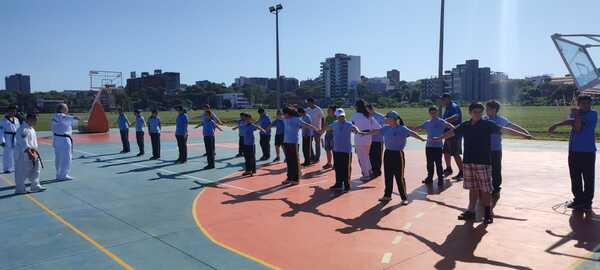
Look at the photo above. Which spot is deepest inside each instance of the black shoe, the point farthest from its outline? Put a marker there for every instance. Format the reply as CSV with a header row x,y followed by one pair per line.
x,y
152,158
208,167
139,154
205,154
335,187
467,215
239,155
262,159
427,180
440,182
447,172
276,160
575,205
347,188
488,216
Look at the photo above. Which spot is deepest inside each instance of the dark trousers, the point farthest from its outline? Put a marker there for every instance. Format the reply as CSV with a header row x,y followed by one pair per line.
x,y
265,145
241,146
434,160
393,165
155,140
316,154
306,149
375,154
139,136
497,170
343,168
182,147
209,146
125,139
250,158
581,169
292,161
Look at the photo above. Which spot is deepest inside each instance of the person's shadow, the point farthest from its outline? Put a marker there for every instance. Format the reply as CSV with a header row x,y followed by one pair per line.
x,y
368,220
585,230
460,246
319,197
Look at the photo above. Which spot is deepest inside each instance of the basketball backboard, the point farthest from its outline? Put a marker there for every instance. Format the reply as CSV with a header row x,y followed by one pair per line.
x,y
575,52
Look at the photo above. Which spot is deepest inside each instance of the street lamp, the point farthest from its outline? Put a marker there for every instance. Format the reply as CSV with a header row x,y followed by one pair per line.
x,y
441,52
275,10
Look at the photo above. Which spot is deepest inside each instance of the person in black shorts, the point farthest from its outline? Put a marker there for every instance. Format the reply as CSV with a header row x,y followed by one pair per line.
x,y
279,133
452,146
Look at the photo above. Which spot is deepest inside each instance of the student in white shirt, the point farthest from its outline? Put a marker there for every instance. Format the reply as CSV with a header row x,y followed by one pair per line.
x,y
8,130
362,144
27,159
62,124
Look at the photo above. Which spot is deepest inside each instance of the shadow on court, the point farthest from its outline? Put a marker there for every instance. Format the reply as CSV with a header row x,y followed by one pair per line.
x,y
585,228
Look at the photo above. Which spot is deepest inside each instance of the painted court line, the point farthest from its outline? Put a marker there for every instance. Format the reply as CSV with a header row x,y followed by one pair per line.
x,y
75,229
407,226
397,239
387,257
419,215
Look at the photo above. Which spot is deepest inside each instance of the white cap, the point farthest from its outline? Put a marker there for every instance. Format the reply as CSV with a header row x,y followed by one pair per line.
x,y
340,112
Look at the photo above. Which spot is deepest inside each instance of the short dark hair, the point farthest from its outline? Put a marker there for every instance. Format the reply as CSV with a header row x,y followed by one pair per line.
x,y
154,111
493,104
446,95
291,111
310,99
179,108
261,110
12,107
31,116
432,108
301,110
370,106
279,112
476,105
333,107
584,98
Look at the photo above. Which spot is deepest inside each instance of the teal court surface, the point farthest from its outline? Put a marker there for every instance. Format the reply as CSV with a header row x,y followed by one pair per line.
x,y
126,212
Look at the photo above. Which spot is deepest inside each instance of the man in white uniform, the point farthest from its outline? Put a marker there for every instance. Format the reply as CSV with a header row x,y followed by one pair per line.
x,y
317,120
63,143
8,128
27,158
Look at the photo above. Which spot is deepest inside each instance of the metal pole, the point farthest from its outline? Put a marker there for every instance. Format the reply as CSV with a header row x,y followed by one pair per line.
x,y
277,58
441,52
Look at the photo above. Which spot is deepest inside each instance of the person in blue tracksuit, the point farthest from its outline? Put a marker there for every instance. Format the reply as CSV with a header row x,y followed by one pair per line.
x,y
140,123
279,133
264,121
154,128
124,124
181,134
249,149
209,125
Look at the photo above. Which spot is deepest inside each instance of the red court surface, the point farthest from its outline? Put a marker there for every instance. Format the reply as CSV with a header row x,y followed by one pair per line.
x,y
309,227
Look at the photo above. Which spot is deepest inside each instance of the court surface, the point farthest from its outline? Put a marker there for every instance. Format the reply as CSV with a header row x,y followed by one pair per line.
x,y
125,212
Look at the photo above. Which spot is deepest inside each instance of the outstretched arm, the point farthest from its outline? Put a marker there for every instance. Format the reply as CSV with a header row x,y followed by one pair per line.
x,y
568,122
416,136
518,128
517,133
446,135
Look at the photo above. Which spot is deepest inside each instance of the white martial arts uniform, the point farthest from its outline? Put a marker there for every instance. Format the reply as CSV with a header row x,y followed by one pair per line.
x,y
25,168
8,129
63,144
362,144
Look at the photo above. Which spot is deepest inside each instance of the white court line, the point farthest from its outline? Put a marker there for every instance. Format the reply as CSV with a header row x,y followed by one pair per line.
x,y
407,226
419,215
387,257
397,239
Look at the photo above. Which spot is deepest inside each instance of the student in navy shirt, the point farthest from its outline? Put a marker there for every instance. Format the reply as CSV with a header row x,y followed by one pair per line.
x,y
181,134
139,131
307,135
124,130
249,149
292,125
433,150
264,121
241,122
279,130
209,125
376,151
342,149
154,128
582,152
492,108
452,146
394,136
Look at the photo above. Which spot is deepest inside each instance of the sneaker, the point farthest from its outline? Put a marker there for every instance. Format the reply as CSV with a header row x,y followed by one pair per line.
x,y
574,205
68,177
385,199
208,167
427,180
447,172
467,215
488,217
293,183
276,159
247,173
327,166
139,154
239,155
39,189
335,187
440,182
285,182
404,202
7,172
205,154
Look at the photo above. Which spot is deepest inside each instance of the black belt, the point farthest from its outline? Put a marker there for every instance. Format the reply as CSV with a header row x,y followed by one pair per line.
x,y
66,136
12,134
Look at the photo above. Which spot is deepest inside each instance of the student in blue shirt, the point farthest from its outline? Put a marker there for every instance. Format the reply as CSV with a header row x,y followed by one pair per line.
x,y
139,131
492,108
452,146
181,134
124,130
279,129
307,135
582,152
292,125
264,121
342,130
435,127
249,149
209,125
376,151
394,136
154,128
241,123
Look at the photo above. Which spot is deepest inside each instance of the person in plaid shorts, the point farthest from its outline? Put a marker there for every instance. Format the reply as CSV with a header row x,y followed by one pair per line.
x,y
477,161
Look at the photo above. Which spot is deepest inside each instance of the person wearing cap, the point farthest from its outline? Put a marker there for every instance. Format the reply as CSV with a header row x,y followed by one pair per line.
x,y
394,136
342,149
362,144
582,152
62,128
27,158
292,124
452,146
209,125
8,130
181,134
307,137
317,120
124,124
249,149
264,121
154,127
140,123
376,150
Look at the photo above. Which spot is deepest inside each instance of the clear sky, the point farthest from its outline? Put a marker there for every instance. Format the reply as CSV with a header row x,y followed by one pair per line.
x,y
57,42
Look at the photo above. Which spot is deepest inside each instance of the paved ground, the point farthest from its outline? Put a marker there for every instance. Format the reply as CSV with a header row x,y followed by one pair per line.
x,y
124,212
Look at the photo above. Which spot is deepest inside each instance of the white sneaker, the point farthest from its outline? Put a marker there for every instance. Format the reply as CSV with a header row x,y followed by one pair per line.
x,y
65,178
38,189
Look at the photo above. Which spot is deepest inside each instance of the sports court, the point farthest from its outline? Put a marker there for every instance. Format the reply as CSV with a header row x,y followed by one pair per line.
x,y
124,212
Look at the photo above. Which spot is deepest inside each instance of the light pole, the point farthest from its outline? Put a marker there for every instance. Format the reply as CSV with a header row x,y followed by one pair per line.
x,y
275,10
441,52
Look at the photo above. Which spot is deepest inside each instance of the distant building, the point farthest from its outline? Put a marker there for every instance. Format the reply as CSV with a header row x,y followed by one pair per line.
x,y
235,100
252,81
287,84
341,75
48,105
204,83
468,82
18,82
562,80
167,81
393,76
429,87
379,84
539,80
498,76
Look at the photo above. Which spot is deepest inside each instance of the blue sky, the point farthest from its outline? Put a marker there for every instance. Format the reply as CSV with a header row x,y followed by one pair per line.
x,y
58,42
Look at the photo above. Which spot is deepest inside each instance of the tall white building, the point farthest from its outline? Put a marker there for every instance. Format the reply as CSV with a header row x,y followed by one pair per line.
x,y
341,75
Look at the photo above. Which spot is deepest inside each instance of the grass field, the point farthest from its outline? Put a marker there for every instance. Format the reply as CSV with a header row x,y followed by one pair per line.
x,y
536,119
